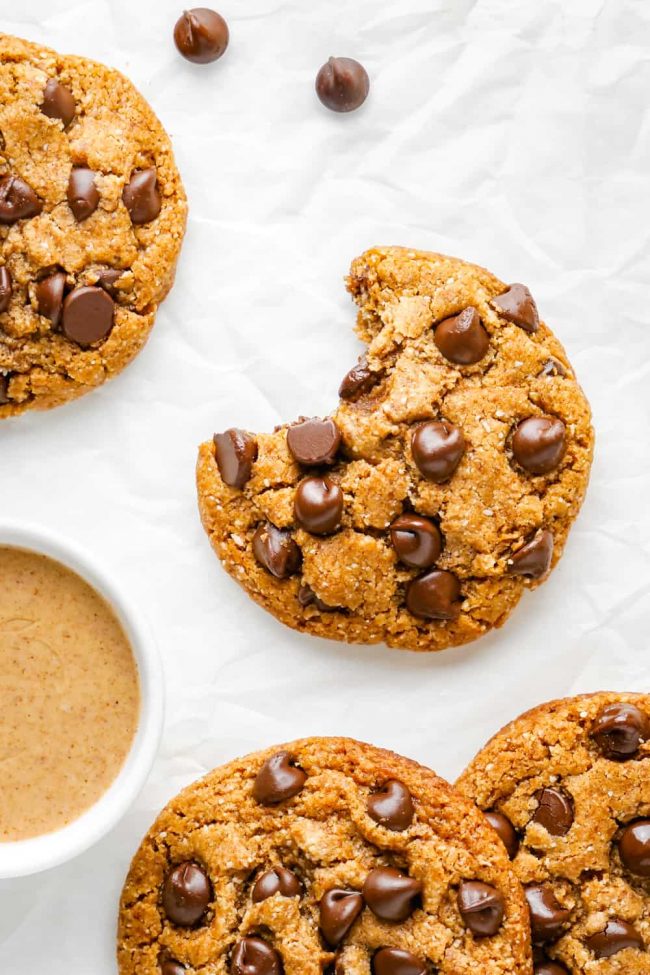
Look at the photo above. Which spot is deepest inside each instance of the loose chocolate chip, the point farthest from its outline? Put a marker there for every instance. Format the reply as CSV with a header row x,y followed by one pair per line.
x,y
396,961
141,196
276,551
17,200
339,909
554,811
518,306
416,540
314,441
307,597
553,367
391,895
235,452
186,894
6,289
4,389
87,315
277,780
201,35
619,731
437,448
462,338
170,967
617,936
318,505
252,956
58,102
392,806
550,968
276,881
481,907
434,596
634,847
342,84
539,443
505,831
533,559
359,380
547,916
49,296
83,197
107,279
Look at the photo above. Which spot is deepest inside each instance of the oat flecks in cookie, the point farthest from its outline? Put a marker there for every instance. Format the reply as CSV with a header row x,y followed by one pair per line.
x,y
442,487
92,217
569,781
318,856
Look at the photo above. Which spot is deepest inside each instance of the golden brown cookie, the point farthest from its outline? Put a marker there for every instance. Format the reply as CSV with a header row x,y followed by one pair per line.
x,y
92,216
442,487
324,855
567,787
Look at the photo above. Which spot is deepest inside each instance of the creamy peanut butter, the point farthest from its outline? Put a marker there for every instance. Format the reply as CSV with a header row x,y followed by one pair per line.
x,y
69,695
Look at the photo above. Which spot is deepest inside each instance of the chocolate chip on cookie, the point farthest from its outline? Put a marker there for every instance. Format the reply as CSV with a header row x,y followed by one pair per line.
x,y
550,968
397,961
318,505
554,811
6,289
18,201
49,294
392,806
87,315
339,909
553,367
4,389
253,956
505,831
277,881
314,442
235,452
359,380
108,278
416,540
58,102
518,306
619,730
547,916
616,936
170,967
481,907
142,197
276,551
434,595
437,448
634,847
534,558
186,894
83,197
342,84
539,444
390,894
279,779
462,339
307,597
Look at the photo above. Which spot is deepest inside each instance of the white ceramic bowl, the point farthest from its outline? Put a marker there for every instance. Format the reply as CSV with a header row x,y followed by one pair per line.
x,y
22,857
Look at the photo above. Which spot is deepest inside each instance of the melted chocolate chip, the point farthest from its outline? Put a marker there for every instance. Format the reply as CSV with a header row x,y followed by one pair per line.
x,y
141,196
186,894
307,597
396,961
83,198
49,296
391,895
17,200
339,909
6,289
554,811
437,447
619,731
392,806
616,936
58,102
358,381
318,505
201,35
277,780
434,596
533,559
416,540
252,956
547,916
481,907
342,84
235,452
314,442
539,444
634,847
87,315
517,305
505,831
276,551
277,881
462,338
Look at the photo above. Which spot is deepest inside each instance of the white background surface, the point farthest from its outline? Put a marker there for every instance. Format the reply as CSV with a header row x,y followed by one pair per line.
x,y
512,134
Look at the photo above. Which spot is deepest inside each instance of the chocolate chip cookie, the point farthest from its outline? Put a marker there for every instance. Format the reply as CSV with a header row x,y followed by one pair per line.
x,y
567,788
92,216
443,486
322,856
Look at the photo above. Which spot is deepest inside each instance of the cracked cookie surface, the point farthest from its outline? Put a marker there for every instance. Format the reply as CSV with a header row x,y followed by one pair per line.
x,y
567,787
324,855
443,486
92,217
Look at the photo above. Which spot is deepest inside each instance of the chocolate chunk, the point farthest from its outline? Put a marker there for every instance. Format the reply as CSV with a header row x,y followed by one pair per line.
x,y
462,338
6,289
359,380
534,558
437,448
49,296
83,198
252,956
186,894
539,443
58,102
339,909
141,196
87,315
634,847
4,389
619,731
481,907
392,806
314,442
171,967
277,881
434,596
278,779
505,831
342,84
616,936
396,961
276,551
391,895
416,540
554,811
307,597
201,35
547,916
518,306
550,968
318,505
553,367
107,279
17,200
235,452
